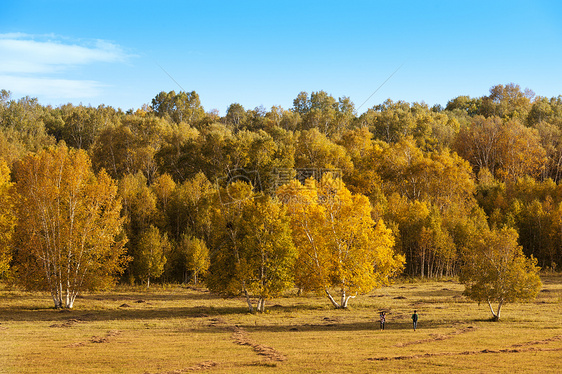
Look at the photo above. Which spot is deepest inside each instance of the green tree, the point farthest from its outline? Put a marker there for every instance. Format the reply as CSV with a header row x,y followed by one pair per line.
x,y
140,212
151,254
252,151
180,154
22,127
282,118
235,116
189,208
197,258
546,110
410,219
181,107
270,250
315,150
163,188
131,146
466,104
188,214
507,101
251,253
79,125
390,121
67,234
495,270
321,111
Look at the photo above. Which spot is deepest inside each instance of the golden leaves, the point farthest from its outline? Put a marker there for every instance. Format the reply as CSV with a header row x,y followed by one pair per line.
x,y
339,244
68,221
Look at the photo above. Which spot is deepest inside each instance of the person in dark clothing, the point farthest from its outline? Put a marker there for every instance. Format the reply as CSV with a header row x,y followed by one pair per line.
x,y
383,319
415,319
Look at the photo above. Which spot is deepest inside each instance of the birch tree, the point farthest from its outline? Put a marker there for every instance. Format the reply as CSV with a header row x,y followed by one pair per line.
x,y
68,230
496,271
196,256
252,253
339,245
151,254
270,253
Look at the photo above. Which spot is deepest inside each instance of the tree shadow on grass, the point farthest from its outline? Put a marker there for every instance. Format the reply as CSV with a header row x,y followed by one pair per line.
x,y
122,313
148,296
348,326
199,306
443,292
205,317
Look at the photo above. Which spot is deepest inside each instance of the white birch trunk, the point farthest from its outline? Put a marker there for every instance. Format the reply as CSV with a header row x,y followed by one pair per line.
x,y
261,305
334,302
496,315
346,300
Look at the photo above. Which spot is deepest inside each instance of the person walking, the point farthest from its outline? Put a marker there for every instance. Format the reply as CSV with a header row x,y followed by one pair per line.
x,y
383,319
415,319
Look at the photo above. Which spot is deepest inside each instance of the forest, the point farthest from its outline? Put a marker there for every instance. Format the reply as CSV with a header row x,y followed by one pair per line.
x,y
164,195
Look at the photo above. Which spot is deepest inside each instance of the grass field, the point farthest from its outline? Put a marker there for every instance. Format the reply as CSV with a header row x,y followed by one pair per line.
x,y
181,330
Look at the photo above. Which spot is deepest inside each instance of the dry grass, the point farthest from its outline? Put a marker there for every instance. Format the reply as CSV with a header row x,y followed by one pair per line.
x,y
180,330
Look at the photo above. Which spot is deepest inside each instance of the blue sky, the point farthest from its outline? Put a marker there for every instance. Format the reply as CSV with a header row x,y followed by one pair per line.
x,y
122,53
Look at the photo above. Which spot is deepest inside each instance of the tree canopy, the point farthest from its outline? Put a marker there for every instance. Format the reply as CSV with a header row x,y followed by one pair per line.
x,y
429,180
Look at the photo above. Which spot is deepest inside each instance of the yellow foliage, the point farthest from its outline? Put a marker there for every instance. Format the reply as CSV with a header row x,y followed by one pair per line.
x,y
7,218
496,270
338,243
68,221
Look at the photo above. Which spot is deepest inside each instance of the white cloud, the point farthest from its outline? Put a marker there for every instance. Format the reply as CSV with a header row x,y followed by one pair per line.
x,y
40,65
52,88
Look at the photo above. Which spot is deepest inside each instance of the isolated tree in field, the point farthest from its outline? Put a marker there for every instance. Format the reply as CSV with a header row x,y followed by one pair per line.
x,y
7,218
252,253
339,245
196,256
495,270
68,225
151,254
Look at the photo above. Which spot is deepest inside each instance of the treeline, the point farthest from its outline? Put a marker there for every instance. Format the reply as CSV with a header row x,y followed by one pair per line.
x,y
437,177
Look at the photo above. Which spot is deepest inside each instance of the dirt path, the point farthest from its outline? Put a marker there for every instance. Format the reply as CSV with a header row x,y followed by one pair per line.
x,y
240,336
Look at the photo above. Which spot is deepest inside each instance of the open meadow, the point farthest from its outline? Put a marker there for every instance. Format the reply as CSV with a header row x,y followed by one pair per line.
x,y
175,329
